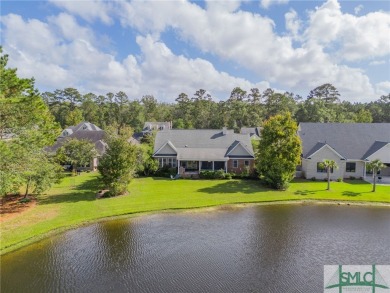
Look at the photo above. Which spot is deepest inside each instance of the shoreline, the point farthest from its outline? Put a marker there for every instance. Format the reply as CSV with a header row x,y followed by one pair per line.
x,y
199,209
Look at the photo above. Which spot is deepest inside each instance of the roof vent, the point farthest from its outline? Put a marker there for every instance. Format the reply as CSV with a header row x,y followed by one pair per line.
x,y
224,130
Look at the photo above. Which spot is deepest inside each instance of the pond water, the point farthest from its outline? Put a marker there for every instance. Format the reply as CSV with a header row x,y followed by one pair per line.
x,y
276,248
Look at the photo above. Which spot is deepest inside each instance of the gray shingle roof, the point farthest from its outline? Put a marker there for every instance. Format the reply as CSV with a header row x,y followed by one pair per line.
x,y
376,146
251,130
206,144
351,140
94,136
82,126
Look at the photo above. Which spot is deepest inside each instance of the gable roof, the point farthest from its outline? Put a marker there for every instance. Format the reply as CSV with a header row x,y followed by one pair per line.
x,y
94,136
376,146
202,144
149,126
350,140
236,145
320,146
82,126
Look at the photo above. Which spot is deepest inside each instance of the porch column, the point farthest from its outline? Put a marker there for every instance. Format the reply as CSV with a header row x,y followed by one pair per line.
x,y
364,170
178,166
225,166
199,163
213,165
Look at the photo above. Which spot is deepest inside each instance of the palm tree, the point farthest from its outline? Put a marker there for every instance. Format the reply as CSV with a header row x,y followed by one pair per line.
x,y
375,166
328,165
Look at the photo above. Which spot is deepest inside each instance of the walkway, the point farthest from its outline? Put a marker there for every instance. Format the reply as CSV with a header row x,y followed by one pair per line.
x,y
384,181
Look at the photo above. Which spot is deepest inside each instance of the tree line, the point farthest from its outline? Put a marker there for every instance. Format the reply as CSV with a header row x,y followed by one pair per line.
x,y
201,111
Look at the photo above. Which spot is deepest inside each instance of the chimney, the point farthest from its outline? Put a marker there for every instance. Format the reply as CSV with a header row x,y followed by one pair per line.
x,y
224,130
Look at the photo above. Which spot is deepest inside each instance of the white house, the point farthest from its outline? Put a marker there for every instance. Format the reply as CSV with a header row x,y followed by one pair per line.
x,y
350,145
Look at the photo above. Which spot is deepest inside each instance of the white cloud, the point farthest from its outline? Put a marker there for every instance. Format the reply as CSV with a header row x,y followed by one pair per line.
x,y
178,74
61,58
383,88
352,38
267,3
90,10
358,8
293,23
309,54
250,40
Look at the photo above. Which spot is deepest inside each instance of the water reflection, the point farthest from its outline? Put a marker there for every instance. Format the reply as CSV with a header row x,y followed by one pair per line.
x,y
278,248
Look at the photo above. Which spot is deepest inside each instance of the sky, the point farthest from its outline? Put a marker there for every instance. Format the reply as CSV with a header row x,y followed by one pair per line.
x,y
164,48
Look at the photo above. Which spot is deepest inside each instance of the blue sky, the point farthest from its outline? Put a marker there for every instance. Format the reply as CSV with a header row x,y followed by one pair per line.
x,y
164,48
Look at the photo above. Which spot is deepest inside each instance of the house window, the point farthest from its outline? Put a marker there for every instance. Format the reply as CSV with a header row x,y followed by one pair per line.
x,y
246,163
321,169
235,163
350,167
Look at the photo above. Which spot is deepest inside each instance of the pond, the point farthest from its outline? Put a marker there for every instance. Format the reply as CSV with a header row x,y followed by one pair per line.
x,y
275,248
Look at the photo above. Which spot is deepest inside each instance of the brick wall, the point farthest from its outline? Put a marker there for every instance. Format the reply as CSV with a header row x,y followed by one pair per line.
x,y
241,165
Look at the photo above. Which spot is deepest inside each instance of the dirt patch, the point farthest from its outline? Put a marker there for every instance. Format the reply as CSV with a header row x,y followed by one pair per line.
x,y
10,206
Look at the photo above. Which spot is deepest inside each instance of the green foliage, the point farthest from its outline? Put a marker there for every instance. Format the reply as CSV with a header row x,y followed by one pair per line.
x,y
241,108
328,165
29,126
118,164
166,172
279,151
219,174
77,152
375,166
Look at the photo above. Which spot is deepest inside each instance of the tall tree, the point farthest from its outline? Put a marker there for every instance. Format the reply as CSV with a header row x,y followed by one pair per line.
x,y
28,125
77,152
278,151
328,165
118,164
326,92
375,166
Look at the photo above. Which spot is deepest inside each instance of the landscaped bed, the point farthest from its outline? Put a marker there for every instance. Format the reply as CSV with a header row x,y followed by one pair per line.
x,y
73,202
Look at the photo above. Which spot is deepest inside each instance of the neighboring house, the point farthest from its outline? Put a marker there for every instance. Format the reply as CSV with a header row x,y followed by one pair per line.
x,y
87,126
191,151
85,131
151,126
254,132
350,145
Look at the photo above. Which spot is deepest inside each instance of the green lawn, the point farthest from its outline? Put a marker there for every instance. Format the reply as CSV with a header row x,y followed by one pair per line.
x,y
73,202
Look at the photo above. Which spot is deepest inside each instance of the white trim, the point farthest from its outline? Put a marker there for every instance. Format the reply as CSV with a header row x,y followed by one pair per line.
x,y
239,143
329,147
170,144
376,152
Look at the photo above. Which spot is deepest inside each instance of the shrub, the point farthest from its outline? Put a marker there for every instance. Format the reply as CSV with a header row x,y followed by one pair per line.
x,y
209,174
313,179
339,179
166,171
352,177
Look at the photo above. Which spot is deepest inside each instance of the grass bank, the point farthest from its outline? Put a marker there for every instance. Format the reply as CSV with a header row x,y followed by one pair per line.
x,y
72,202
